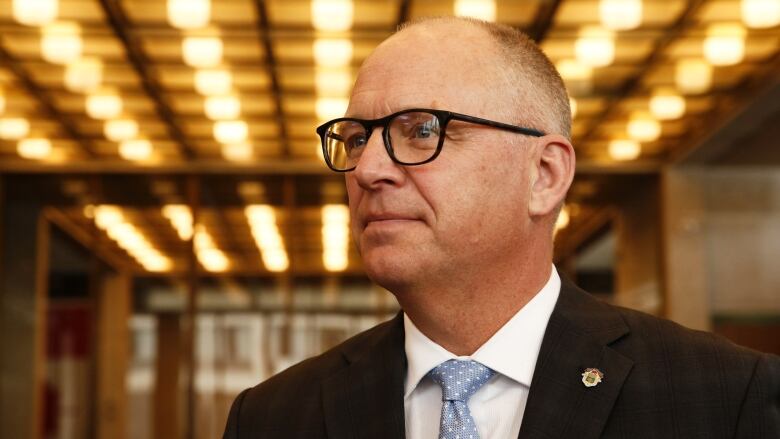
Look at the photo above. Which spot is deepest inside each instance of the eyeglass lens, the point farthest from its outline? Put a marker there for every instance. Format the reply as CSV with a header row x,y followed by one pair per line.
x,y
413,136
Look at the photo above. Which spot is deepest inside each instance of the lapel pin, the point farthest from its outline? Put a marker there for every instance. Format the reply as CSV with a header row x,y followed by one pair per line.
x,y
592,377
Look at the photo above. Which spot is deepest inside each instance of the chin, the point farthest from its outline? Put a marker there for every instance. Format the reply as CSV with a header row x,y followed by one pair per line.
x,y
394,273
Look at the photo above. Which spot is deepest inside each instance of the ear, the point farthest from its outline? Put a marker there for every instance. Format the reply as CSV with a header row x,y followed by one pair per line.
x,y
552,174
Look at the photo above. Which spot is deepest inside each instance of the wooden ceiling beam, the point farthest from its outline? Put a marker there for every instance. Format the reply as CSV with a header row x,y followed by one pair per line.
x,y
543,21
45,100
264,30
122,29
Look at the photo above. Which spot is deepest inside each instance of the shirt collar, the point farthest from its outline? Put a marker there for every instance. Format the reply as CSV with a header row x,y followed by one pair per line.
x,y
512,351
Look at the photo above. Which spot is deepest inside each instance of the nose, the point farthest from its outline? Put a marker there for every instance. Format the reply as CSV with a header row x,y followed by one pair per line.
x,y
375,168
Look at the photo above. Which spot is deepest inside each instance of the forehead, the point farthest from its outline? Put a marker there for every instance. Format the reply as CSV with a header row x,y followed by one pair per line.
x,y
446,66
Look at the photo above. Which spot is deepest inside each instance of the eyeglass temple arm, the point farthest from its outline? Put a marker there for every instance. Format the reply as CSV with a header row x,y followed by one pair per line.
x,y
501,125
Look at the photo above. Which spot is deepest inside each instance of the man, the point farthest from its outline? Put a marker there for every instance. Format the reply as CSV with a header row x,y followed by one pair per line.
x,y
457,158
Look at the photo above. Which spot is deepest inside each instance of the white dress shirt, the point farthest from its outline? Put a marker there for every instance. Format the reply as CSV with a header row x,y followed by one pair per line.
x,y
497,408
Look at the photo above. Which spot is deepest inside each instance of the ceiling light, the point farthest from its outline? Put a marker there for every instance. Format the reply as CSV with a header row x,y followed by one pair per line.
x,y
231,131
644,128
105,104
14,128
620,14
156,263
624,149
35,12
213,82
2,101
335,260
332,15
117,130
61,42
260,214
333,82
213,260
335,237
180,217
724,44
34,149
83,75
202,51
189,14
479,9
761,13
331,108
667,105
276,260
135,149
693,76
332,52
222,107
563,218
237,152
573,106
572,70
595,46
107,216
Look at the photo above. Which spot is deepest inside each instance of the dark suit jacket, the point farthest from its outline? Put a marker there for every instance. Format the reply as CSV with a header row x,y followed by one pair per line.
x,y
660,381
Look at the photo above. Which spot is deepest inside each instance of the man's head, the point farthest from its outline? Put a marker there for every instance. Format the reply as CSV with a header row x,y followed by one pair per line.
x,y
486,204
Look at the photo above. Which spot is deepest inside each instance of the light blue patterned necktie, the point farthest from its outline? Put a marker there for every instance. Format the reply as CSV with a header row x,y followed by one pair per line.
x,y
458,380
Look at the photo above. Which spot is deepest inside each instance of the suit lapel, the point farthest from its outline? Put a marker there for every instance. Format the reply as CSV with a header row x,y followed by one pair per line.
x,y
365,398
577,338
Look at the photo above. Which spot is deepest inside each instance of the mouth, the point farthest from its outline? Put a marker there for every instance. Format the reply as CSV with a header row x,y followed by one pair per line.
x,y
387,219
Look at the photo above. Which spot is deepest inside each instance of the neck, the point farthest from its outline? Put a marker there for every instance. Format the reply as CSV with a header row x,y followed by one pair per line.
x,y
462,315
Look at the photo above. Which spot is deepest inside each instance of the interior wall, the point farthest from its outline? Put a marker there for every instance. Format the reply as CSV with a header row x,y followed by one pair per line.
x,y
722,241
22,325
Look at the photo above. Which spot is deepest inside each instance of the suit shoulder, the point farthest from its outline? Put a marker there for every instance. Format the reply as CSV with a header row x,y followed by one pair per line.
x,y
651,338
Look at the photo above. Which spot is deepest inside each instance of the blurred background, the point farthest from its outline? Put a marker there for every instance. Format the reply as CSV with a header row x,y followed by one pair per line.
x,y
170,236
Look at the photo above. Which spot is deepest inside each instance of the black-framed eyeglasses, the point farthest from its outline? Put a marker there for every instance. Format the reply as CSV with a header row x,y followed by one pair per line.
x,y
411,137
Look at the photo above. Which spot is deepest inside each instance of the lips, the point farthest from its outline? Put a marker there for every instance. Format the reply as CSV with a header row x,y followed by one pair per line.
x,y
387,218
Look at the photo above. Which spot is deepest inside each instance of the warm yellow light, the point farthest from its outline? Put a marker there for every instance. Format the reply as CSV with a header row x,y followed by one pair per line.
x,y
331,108
107,216
2,101
202,52
260,214
335,237
479,9
180,217
624,149
237,152
231,131
333,81
34,149
61,42
276,260
213,259
335,260
213,82
573,106
156,263
693,76
83,75
117,130
667,105
14,128
335,213
35,12
135,149
573,70
595,46
189,14
222,107
563,219
644,128
761,13
104,104
332,52
724,44
620,14
332,15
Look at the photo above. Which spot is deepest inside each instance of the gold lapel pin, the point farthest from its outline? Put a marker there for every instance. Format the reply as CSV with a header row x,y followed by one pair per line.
x,y
592,377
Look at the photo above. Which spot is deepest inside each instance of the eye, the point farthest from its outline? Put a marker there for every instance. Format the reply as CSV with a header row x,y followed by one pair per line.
x,y
355,141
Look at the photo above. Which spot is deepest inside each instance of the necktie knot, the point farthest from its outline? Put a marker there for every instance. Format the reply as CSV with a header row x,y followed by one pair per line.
x,y
459,379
